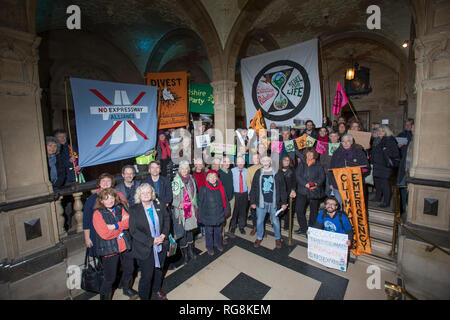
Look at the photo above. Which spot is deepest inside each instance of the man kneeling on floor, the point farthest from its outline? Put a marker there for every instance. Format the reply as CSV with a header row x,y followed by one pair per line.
x,y
268,193
334,220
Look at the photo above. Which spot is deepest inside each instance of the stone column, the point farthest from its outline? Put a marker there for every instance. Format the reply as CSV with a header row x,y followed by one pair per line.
x,y
28,236
224,107
426,273
23,156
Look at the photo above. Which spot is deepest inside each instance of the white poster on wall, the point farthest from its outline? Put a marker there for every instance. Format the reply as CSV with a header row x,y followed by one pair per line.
x,y
284,84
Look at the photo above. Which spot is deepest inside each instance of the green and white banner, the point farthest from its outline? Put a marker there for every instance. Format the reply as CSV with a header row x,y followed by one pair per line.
x,y
201,98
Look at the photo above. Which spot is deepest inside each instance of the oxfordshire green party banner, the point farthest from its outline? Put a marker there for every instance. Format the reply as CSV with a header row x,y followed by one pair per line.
x,y
201,98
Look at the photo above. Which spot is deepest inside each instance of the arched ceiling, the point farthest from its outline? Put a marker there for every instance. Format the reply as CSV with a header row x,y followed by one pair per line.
x,y
134,26
293,21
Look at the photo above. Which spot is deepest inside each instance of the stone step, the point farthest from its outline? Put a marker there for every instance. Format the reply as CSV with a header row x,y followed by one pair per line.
x,y
379,217
383,263
380,232
381,248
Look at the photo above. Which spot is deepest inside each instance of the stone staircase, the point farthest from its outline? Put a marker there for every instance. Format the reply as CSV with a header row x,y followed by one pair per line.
x,y
381,224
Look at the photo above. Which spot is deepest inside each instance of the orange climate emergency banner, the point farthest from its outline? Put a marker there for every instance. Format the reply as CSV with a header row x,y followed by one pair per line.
x,y
351,189
172,98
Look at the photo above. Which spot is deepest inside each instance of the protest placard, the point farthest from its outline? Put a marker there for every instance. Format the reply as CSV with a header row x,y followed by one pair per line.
x,y
328,248
362,138
203,141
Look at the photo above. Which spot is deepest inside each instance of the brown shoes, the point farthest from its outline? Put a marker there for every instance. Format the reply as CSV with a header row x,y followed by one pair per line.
x,y
253,232
278,243
257,243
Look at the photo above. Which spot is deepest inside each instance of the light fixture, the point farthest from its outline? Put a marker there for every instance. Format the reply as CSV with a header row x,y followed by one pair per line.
x,y
405,44
350,73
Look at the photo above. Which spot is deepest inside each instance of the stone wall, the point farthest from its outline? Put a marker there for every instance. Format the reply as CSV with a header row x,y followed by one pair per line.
x,y
65,53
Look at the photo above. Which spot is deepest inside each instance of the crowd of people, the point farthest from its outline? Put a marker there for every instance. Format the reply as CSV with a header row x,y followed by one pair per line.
x,y
215,196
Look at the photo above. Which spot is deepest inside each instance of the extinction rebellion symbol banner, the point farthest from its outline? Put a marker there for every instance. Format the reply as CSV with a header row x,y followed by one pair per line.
x,y
114,120
284,84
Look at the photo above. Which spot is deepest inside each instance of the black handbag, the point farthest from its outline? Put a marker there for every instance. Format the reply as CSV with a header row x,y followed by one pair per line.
x,y
390,162
178,228
92,275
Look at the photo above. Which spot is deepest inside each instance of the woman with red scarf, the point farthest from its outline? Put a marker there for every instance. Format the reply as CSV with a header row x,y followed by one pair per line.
x,y
163,152
323,135
213,208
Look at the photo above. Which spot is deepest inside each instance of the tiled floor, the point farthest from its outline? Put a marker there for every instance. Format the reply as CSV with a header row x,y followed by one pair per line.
x,y
243,272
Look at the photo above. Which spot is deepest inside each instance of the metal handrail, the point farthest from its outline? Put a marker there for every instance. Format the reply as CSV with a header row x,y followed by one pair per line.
x,y
393,291
398,222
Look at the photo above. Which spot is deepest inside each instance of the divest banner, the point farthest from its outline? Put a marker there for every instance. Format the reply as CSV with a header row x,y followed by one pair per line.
x,y
201,98
172,101
351,190
114,120
328,248
284,84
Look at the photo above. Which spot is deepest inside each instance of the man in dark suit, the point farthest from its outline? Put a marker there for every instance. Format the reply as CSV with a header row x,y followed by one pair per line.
x,y
161,184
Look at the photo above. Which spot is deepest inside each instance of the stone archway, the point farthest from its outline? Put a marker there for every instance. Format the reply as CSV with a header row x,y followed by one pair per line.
x,y
193,59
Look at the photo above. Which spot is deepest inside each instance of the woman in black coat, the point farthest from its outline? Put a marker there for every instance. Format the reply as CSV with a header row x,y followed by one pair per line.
x,y
384,151
149,229
310,188
213,207
288,171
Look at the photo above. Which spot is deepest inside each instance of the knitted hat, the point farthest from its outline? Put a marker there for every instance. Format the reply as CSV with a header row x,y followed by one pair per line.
x,y
212,171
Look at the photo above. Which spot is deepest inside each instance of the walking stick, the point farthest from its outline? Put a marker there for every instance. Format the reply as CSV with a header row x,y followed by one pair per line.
x,y
290,241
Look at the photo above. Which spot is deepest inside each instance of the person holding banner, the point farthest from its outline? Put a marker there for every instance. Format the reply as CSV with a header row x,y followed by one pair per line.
x,y
163,152
287,168
334,220
268,193
347,155
325,160
250,174
185,208
226,177
310,181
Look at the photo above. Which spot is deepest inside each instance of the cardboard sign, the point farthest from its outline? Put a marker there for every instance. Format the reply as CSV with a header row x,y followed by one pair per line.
x,y
328,248
361,137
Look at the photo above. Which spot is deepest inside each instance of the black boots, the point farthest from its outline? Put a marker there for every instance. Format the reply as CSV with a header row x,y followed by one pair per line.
x,y
106,296
191,252
184,253
128,290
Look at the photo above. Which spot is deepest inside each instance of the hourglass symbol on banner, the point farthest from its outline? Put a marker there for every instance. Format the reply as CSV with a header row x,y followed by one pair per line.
x,y
279,81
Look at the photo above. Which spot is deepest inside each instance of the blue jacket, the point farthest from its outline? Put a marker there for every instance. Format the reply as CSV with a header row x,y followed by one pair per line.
x,y
339,223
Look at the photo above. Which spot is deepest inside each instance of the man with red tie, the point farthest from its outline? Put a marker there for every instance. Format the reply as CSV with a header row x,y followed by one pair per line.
x,y
241,197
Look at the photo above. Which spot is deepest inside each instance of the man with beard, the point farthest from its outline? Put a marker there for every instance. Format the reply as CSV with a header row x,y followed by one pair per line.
x,y
334,220
268,193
